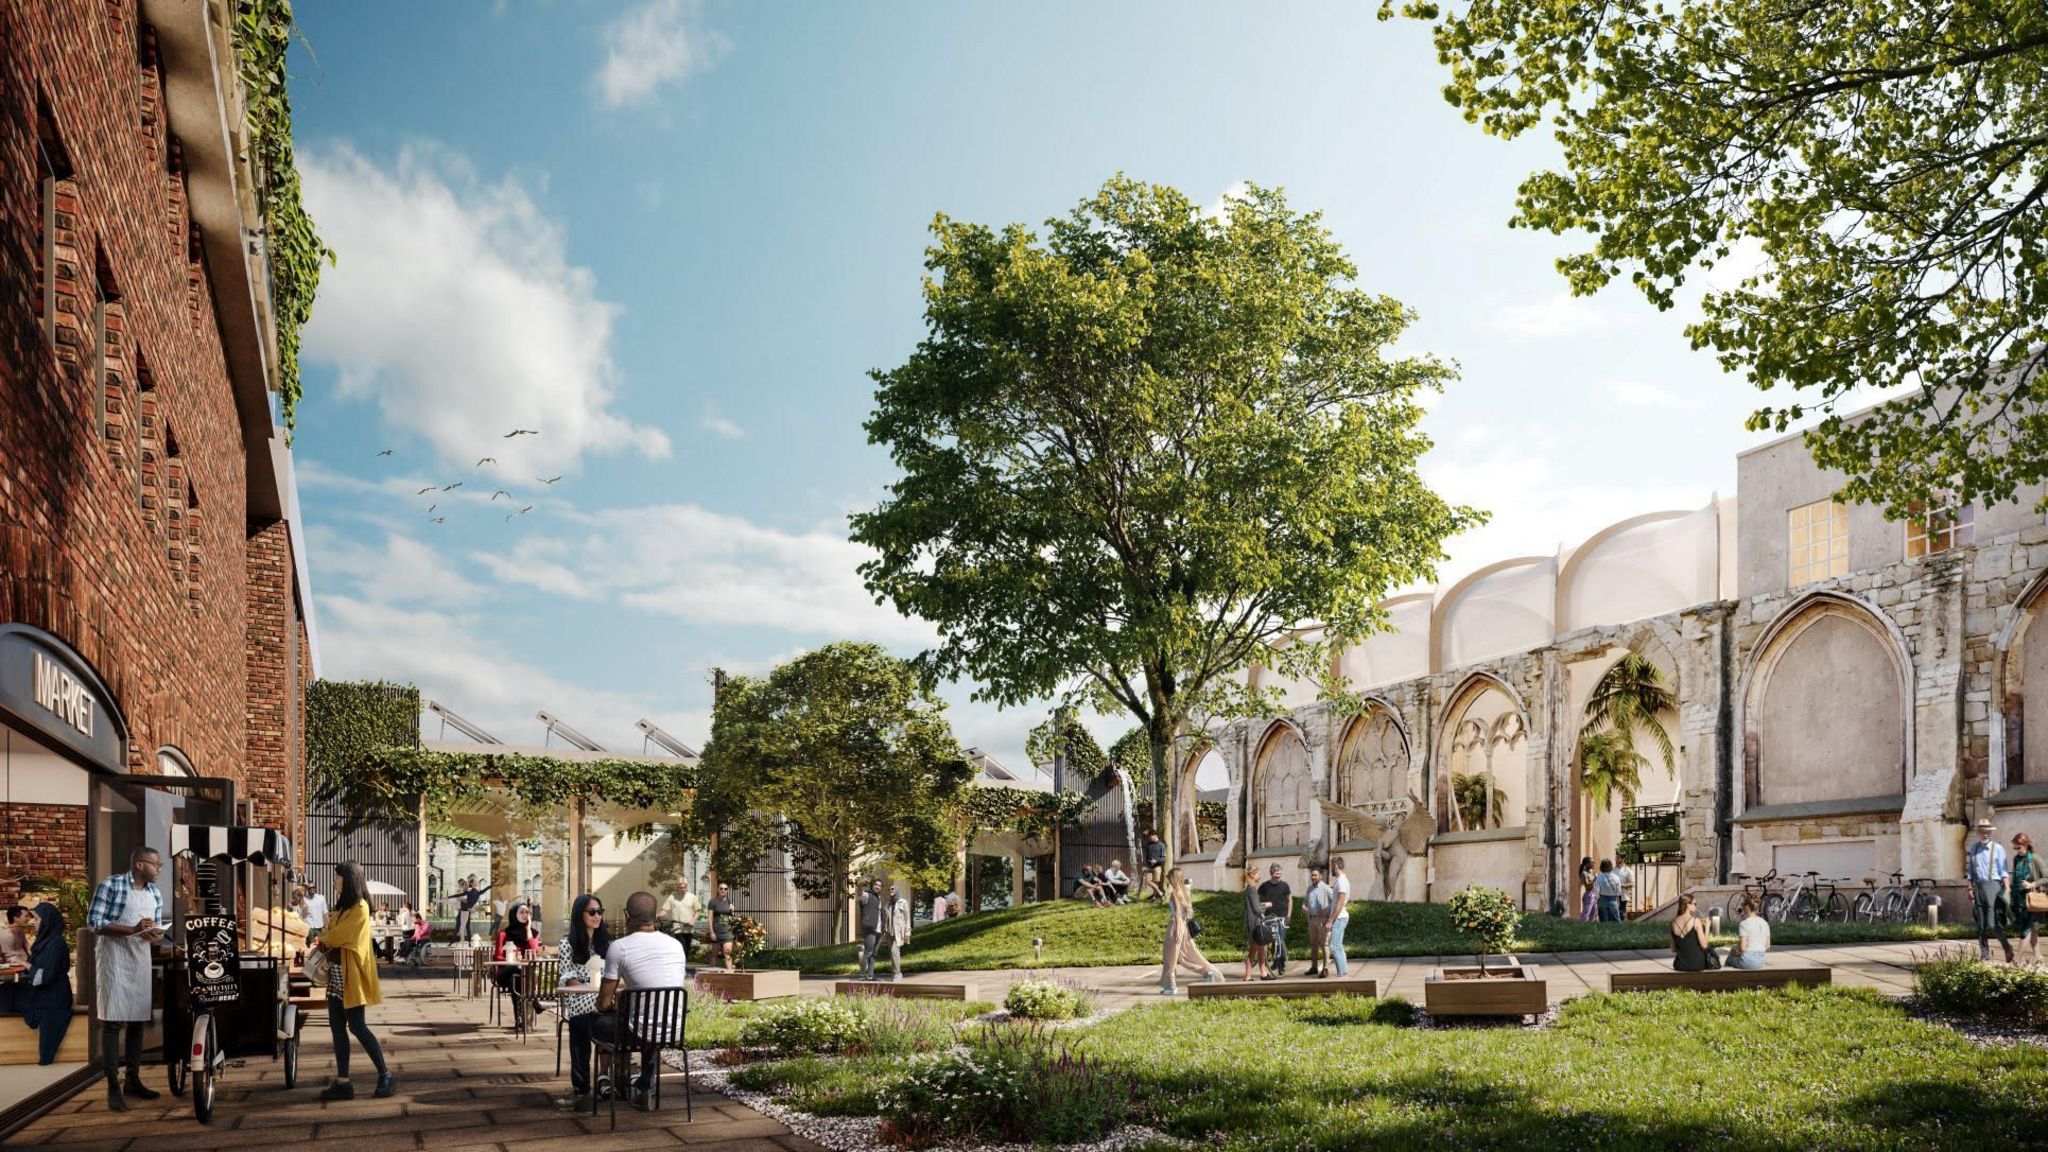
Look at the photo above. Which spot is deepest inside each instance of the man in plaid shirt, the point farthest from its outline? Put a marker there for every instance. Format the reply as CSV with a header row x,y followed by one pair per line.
x,y
127,913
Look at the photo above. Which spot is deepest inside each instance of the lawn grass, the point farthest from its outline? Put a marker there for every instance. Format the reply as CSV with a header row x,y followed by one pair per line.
x,y
1080,935
1823,1068
823,1085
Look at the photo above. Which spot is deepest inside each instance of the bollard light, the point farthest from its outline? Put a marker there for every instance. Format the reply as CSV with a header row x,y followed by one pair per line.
x,y
1934,912
1038,947
1714,922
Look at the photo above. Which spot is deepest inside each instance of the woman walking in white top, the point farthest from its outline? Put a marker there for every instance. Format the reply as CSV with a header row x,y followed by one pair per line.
x,y
1180,938
1342,920
1753,938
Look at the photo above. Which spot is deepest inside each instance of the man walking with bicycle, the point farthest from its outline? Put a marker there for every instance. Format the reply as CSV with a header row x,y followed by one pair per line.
x,y
1986,868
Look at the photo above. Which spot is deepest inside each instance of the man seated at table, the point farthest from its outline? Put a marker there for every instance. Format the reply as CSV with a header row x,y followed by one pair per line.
x,y
645,957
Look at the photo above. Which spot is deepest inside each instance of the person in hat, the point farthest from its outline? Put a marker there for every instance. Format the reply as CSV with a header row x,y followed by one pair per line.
x,y
1987,870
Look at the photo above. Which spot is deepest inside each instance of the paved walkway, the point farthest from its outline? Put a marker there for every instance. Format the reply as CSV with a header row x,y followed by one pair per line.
x,y
461,1085
1884,967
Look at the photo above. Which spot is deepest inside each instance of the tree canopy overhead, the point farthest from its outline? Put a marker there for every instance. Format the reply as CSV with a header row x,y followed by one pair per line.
x,y
838,756
1889,158
1138,448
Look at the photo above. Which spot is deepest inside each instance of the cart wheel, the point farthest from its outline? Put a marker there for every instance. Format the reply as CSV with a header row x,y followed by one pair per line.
x,y
205,1077
179,1074
291,1063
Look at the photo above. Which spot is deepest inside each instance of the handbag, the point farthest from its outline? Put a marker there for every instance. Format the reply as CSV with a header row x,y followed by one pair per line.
x,y
1194,927
317,965
2037,901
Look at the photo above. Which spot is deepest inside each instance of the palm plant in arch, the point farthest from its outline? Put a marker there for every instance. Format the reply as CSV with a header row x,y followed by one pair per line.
x,y
1625,702
1478,799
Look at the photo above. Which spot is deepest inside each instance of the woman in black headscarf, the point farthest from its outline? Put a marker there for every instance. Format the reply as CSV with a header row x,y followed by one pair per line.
x,y
45,998
514,941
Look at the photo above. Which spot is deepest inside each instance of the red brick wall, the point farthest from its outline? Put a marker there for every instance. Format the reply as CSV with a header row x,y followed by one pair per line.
x,y
127,542
271,634
42,840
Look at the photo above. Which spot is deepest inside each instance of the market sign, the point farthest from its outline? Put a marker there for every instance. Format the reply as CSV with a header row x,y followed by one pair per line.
x,y
46,687
213,964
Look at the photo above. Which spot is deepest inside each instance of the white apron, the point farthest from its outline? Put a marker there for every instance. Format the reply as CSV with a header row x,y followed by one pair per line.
x,y
121,963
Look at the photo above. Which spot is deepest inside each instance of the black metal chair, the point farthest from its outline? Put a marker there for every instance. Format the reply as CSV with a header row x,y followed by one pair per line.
x,y
650,1021
535,992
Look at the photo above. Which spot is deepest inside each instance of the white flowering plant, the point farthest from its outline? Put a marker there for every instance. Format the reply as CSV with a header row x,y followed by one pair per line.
x,y
810,1025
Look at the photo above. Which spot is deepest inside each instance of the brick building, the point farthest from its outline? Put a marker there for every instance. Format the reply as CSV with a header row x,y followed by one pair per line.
x,y
154,600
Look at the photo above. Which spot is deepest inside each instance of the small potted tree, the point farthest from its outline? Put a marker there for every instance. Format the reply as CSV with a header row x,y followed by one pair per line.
x,y
1490,919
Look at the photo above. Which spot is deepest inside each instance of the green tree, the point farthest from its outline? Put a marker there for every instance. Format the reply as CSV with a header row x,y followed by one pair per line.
x,y
836,757
1136,450
1626,702
1889,159
1479,800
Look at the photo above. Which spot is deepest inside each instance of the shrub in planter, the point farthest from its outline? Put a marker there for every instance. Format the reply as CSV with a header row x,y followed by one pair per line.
x,y
805,1026
1957,982
1011,1085
1044,1000
1488,916
748,939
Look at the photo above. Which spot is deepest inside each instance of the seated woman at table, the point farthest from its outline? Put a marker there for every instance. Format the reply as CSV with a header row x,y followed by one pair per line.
x,y
588,939
45,993
515,940
14,938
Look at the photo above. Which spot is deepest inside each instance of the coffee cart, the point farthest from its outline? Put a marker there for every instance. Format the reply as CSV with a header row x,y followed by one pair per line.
x,y
224,996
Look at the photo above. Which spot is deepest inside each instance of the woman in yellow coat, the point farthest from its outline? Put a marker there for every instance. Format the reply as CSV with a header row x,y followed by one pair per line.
x,y
352,981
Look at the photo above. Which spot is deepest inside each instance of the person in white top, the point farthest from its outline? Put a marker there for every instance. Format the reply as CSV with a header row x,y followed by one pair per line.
x,y
316,909
645,957
939,907
1753,938
1342,920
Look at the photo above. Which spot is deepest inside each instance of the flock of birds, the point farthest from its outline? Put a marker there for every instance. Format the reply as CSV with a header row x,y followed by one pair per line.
x,y
517,509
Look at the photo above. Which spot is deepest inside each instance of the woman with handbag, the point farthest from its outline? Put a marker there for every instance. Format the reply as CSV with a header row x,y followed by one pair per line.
x,y
1181,930
1689,939
351,981
2029,895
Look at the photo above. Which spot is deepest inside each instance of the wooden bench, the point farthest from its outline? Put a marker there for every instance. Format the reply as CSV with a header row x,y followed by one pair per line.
x,y
1297,989
766,985
907,989
1722,979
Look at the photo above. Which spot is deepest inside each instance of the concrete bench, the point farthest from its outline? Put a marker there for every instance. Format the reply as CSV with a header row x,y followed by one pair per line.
x,y
765,985
1722,979
1298,989
907,989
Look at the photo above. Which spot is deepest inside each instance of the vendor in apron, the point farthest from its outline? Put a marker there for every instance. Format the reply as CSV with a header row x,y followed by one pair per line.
x,y
127,916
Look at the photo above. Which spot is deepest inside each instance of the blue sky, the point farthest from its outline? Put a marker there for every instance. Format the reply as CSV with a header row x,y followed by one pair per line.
x,y
674,237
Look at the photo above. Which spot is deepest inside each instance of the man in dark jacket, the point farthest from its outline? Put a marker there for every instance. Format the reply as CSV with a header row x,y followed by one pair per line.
x,y
872,916
1155,867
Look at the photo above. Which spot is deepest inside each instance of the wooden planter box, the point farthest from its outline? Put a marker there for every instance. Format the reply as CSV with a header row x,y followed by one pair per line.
x,y
768,985
1285,989
907,989
1509,989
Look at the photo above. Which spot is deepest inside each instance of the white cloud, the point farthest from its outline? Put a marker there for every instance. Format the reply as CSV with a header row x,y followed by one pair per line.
x,y
453,305
652,46
1219,208
402,571
537,563
483,681
1638,394
1560,315
713,422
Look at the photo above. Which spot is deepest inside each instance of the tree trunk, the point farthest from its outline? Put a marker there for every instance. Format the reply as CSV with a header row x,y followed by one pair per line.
x,y
1165,820
841,886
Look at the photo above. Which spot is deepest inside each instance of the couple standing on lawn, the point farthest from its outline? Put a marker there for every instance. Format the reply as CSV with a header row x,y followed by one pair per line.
x,y
883,918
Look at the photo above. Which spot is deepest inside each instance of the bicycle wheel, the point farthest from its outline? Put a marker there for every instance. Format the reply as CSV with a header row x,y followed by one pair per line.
x,y
1731,912
1774,907
1865,908
291,1062
1894,907
180,1072
1836,910
205,1075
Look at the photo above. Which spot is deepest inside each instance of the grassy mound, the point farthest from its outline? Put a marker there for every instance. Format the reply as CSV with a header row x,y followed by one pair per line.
x,y
1080,935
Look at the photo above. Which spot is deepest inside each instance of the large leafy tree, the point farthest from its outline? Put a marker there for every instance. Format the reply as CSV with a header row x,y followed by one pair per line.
x,y
1889,158
1139,447
837,757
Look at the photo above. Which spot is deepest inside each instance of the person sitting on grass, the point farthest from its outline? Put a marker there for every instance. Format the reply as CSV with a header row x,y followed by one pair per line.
x,y
1087,887
1689,939
1753,937
1116,882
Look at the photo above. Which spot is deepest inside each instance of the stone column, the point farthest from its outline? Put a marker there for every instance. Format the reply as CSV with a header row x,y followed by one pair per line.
x,y
1706,677
1931,829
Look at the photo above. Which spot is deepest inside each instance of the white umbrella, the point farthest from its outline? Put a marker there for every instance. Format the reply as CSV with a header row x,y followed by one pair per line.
x,y
380,888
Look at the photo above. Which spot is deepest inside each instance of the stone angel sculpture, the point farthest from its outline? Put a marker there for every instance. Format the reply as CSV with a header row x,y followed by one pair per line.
x,y
1401,828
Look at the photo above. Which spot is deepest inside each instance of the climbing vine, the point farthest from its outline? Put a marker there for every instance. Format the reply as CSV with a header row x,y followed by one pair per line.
x,y
263,31
1032,815
362,743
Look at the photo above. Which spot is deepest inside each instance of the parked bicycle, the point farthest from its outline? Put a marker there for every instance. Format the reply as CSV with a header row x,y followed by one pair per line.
x,y
1813,900
1769,901
1876,903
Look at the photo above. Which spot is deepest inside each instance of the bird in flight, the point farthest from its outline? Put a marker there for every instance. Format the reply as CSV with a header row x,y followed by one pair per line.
x,y
451,487
520,432
487,460
547,479
501,492
431,507
440,519
385,452
424,491
525,510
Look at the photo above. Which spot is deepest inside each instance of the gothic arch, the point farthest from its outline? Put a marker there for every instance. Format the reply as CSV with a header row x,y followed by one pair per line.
x,y
1187,791
1483,731
1372,762
1794,714
2019,693
1282,794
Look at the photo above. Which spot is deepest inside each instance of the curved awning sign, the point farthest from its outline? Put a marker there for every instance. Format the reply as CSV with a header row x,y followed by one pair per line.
x,y
51,690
